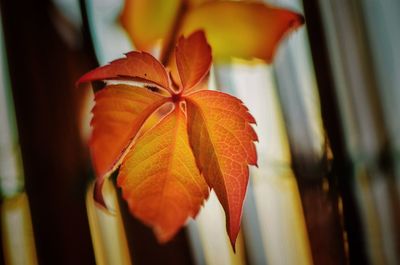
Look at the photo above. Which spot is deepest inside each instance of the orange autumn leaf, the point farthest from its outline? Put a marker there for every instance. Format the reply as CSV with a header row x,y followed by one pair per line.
x,y
193,61
222,138
204,141
119,113
160,179
243,29
137,66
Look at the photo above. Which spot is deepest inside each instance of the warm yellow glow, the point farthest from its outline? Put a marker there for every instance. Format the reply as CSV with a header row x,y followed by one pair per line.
x,y
280,214
254,31
17,233
107,230
149,23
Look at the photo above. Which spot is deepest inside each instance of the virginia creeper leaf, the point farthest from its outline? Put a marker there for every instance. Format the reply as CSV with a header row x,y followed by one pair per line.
x,y
206,140
118,114
159,177
137,66
222,138
193,59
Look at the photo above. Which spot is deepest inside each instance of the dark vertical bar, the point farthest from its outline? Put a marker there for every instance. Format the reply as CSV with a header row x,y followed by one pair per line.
x,y
43,70
345,167
342,168
311,164
323,222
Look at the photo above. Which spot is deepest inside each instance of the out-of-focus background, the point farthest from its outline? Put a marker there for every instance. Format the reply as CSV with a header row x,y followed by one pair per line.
x,y
327,187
